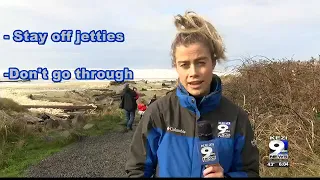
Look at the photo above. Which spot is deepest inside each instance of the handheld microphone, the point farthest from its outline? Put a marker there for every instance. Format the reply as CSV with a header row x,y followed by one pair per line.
x,y
207,149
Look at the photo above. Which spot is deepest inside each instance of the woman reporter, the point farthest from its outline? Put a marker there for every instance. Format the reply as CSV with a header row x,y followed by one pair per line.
x,y
165,141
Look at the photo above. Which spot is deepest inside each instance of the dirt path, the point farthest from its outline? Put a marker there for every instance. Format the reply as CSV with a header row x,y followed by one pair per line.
x,y
103,156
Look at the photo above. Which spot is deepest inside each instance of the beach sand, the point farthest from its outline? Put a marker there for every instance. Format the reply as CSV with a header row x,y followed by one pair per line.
x,y
20,92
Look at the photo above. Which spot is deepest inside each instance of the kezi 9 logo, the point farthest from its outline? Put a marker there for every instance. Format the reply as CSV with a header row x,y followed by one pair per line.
x,y
224,129
278,147
209,155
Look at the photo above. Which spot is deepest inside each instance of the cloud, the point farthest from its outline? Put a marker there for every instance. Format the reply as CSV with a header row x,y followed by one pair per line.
x,y
266,13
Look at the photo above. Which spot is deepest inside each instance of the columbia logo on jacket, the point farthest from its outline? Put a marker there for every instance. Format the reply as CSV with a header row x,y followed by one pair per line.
x,y
172,129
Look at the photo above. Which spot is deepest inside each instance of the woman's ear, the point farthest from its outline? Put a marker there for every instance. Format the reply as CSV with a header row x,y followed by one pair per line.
x,y
214,63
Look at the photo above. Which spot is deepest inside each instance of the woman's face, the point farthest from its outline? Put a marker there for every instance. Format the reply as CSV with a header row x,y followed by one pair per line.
x,y
194,67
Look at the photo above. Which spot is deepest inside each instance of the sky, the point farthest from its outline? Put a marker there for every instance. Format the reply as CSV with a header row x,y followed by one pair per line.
x,y
275,29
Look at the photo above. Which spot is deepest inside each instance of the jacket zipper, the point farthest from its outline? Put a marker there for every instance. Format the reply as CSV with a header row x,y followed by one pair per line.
x,y
194,141
194,137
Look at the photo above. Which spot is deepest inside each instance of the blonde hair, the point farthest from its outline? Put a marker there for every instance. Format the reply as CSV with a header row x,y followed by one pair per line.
x,y
192,28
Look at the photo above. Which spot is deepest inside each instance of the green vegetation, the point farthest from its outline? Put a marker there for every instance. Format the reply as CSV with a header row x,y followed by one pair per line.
x,y
103,124
18,156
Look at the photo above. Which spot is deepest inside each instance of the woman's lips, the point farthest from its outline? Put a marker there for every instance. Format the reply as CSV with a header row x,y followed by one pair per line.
x,y
195,84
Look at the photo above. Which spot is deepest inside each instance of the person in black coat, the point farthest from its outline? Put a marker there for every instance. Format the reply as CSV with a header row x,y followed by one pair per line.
x,y
129,104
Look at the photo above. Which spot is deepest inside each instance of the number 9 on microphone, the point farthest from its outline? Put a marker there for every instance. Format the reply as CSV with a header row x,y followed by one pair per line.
x,y
208,153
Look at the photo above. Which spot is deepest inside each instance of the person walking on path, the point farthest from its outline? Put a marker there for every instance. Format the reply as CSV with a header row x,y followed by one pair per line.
x,y
136,90
129,104
142,107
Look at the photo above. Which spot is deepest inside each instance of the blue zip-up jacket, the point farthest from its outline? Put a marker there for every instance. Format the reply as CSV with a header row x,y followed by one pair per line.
x,y
165,141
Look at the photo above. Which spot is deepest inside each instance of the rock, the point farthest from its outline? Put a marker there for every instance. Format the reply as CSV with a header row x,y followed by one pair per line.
x,y
65,134
44,116
30,119
164,85
88,126
30,96
79,121
51,124
71,116
64,124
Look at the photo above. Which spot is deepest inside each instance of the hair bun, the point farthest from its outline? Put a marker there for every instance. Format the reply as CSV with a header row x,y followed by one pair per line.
x,y
179,22
192,27
189,22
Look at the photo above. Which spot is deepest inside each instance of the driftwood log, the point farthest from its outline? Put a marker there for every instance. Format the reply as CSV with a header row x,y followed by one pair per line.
x,y
66,107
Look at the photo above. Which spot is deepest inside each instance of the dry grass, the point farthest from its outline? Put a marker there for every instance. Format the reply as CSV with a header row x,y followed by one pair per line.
x,y
9,123
11,128
10,105
282,98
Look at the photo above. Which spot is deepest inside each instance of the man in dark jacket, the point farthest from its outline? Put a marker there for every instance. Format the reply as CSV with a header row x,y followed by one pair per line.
x,y
165,143
129,104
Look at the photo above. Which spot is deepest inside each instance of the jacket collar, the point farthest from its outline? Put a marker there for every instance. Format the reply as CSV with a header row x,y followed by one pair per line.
x,y
208,102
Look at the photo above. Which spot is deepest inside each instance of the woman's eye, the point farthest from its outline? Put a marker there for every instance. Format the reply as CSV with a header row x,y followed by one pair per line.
x,y
201,63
